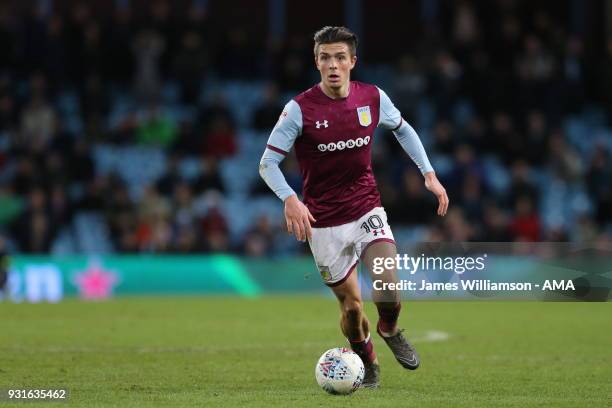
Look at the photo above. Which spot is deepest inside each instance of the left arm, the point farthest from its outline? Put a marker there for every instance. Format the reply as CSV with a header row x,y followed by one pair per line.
x,y
391,119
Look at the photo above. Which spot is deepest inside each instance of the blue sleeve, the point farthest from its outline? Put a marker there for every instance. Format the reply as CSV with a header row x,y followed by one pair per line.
x,y
390,117
287,129
412,145
280,142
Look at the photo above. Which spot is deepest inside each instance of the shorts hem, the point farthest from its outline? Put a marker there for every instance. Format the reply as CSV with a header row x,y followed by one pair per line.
x,y
375,241
348,273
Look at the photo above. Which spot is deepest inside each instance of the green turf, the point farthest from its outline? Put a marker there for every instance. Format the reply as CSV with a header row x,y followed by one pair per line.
x,y
201,352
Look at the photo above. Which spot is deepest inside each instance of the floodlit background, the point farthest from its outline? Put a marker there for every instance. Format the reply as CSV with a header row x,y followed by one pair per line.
x,y
130,136
136,127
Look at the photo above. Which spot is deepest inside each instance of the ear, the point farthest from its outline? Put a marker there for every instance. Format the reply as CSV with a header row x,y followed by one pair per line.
x,y
353,61
316,62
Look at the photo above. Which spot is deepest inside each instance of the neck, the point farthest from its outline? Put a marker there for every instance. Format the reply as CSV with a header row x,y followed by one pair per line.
x,y
335,93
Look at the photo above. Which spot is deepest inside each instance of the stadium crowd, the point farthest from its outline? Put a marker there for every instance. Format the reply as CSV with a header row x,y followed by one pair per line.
x,y
514,111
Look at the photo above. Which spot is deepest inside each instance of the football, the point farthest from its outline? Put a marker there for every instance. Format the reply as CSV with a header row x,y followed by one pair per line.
x,y
339,371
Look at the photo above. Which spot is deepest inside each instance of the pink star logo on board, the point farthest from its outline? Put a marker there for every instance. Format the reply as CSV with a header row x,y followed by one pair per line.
x,y
95,282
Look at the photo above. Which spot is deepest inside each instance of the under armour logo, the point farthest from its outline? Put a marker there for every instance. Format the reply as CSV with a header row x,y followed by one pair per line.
x,y
324,124
382,231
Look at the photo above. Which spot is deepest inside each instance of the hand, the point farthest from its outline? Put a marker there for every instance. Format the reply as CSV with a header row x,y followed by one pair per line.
x,y
298,218
433,185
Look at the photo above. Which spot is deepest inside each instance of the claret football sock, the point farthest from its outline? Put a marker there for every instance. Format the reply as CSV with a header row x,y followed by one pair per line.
x,y
364,349
388,315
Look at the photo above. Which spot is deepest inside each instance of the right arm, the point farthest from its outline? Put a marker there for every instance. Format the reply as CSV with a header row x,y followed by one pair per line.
x,y
391,119
280,142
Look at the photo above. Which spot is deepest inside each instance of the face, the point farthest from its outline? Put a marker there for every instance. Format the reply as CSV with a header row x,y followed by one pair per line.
x,y
334,62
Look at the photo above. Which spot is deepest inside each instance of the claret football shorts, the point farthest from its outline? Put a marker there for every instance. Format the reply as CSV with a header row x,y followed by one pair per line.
x,y
337,250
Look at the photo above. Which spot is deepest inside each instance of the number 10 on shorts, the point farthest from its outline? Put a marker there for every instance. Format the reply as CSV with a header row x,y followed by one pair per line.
x,y
374,224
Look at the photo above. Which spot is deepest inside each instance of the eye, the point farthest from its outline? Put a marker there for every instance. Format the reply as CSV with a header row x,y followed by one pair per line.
x,y
341,58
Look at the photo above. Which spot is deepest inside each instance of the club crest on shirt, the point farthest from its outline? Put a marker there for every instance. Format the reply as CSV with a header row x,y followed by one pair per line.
x,y
325,273
363,113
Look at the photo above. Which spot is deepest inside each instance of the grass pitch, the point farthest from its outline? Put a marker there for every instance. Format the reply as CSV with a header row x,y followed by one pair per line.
x,y
202,352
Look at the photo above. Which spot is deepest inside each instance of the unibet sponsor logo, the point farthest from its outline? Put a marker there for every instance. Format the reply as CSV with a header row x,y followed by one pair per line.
x,y
341,145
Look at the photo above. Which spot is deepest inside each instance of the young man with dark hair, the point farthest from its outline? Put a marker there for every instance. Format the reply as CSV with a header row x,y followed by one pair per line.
x,y
332,128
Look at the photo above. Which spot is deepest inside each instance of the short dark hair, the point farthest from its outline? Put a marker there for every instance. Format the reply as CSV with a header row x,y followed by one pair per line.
x,y
328,35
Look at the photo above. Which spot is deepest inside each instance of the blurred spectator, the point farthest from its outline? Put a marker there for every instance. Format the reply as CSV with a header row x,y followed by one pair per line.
x,y
574,75
153,232
585,231
237,54
457,228
210,179
521,184
293,62
190,65
120,214
599,184
471,198
38,121
465,25
54,169
25,176
507,142
34,230
56,52
8,39
444,138
491,90
187,240
8,107
526,224
409,85
413,205
80,164
197,19
156,128
171,177
60,208
148,48
266,115
217,108
215,231
563,160
536,138
445,82
94,197
92,56
475,134
161,22
465,165
495,225
259,238
220,140
11,205
184,210
126,129
95,98
535,67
